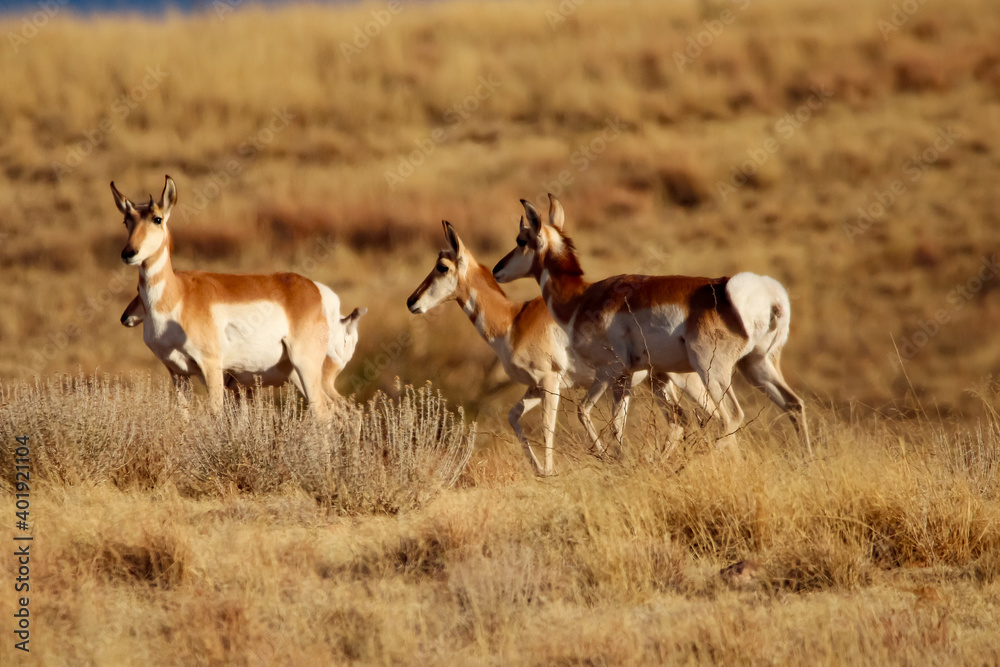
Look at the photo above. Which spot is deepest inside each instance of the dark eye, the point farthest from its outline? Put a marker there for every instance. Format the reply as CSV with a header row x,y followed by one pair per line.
x,y
157,220
521,243
442,268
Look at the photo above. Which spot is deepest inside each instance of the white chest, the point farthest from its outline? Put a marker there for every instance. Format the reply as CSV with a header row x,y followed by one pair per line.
x,y
165,337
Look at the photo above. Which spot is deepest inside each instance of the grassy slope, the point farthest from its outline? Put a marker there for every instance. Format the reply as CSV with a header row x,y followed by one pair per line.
x,y
323,172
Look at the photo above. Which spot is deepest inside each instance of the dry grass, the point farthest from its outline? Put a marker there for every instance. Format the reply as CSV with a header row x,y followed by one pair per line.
x,y
383,457
261,537
885,549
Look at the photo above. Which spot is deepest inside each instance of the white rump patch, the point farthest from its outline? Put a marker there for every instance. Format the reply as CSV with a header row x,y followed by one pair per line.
x,y
758,300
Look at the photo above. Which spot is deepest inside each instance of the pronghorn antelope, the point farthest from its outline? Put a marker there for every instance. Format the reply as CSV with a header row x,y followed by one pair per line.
x,y
531,347
278,327
135,314
665,324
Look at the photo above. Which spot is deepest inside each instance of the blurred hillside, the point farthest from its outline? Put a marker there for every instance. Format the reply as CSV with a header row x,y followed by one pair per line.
x,y
847,149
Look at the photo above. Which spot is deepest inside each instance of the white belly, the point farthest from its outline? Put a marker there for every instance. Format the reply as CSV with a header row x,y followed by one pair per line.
x,y
649,338
250,336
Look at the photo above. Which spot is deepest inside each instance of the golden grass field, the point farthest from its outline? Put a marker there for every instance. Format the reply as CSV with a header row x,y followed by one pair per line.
x,y
847,149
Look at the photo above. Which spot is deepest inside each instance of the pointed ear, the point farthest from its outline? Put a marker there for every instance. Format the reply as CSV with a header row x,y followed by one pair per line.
x,y
121,201
351,321
452,236
169,196
534,220
557,217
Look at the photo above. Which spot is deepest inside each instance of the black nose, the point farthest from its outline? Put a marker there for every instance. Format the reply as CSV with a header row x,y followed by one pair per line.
x,y
409,302
128,254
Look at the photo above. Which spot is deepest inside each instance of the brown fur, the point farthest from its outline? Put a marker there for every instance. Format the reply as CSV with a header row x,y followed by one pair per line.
x,y
198,291
714,340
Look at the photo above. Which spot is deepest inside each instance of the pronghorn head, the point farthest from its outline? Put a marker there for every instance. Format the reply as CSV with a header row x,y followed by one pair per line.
x,y
350,340
535,241
444,282
134,314
146,223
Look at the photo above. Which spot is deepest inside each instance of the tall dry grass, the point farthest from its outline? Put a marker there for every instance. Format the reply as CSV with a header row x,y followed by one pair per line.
x,y
386,456
884,549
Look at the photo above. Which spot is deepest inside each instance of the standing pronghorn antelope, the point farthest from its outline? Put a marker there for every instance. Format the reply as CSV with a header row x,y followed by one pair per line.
x,y
665,324
135,314
532,348
278,327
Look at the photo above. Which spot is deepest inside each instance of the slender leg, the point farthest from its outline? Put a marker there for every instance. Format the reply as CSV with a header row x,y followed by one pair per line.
x,y
215,381
331,370
764,374
693,388
621,393
530,400
718,382
597,389
550,408
306,357
663,390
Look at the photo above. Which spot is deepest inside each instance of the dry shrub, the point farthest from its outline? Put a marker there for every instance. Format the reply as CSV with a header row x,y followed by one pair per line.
x,y
384,457
389,456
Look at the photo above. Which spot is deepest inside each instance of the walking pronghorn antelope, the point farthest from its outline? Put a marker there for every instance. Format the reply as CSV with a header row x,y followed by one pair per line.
x,y
135,314
278,327
532,348
665,324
